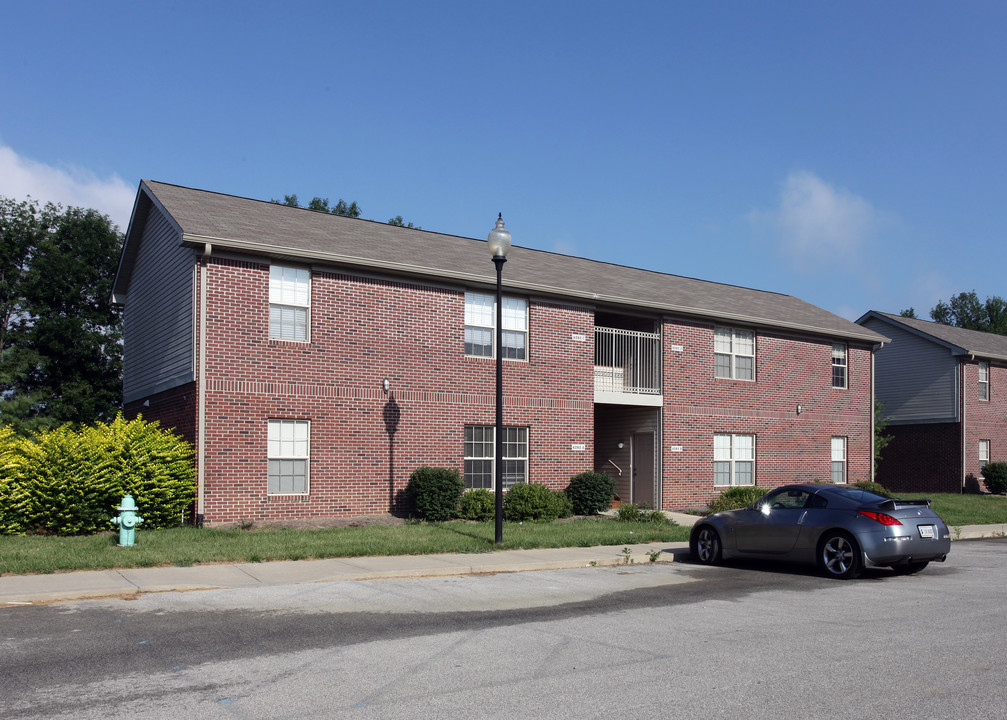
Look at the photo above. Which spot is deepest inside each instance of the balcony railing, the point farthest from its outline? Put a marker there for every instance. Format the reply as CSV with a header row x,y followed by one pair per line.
x,y
627,361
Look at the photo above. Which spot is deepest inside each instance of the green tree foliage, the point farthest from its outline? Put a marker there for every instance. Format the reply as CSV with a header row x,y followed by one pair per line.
x,y
880,439
909,312
397,221
69,482
60,357
966,310
322,205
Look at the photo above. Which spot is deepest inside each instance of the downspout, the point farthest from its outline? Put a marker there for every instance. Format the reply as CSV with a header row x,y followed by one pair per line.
x,y
873,417
201,412
961,405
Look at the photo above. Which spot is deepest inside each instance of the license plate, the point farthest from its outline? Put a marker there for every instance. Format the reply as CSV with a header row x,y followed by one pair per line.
x,y
926,532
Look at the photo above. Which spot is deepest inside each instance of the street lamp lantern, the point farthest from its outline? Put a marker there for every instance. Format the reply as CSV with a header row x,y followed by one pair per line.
x,y
499,242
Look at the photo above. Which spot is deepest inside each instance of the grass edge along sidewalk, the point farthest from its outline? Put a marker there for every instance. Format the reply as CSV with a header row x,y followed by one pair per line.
x,y
187,546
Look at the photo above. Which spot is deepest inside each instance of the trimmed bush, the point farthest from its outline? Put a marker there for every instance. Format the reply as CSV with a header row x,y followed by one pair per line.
x,y
873,487
591,492
435,493
533,501
736,497
477,504
631,512
995,477
68,482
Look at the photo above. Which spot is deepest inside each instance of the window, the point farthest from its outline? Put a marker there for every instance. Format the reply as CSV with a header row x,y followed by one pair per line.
x,y
838,365
984,453
839,460
480,452
733,459
480,324
734,354
289,303
984,380
288,457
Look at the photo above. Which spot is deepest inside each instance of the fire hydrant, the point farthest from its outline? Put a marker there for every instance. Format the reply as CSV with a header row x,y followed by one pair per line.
x,y
127,521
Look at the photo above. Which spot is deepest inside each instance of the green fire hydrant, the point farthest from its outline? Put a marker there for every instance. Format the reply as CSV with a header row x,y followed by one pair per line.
x,y
127,521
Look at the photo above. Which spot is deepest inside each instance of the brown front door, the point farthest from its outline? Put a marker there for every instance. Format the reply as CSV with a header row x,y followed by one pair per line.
x,y
643,468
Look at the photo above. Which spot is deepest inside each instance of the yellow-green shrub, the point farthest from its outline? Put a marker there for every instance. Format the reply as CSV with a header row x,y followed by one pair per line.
x,y
69,482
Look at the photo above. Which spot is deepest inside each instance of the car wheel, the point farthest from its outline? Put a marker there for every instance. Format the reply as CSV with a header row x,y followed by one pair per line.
x,y
839,555
706,545
908,568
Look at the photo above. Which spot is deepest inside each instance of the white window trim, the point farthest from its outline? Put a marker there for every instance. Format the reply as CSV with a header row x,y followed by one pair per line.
x,y
278,423
734,460
282,295
492,456
491,325
984,380
733,354
833,459
845,365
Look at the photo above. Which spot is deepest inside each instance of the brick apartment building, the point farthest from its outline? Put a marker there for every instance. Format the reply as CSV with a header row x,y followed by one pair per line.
x,y
943,392
264,334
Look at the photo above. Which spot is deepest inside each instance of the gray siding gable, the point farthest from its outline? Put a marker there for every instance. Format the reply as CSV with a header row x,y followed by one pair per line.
x,y
915,378
157,291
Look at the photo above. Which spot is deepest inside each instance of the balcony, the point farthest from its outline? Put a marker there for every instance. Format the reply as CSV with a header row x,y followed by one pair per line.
x,y
627,367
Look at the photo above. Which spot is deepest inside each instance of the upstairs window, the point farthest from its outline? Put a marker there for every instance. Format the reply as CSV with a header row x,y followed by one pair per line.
x,y
838,365
734,354
480,326
289,303
984,380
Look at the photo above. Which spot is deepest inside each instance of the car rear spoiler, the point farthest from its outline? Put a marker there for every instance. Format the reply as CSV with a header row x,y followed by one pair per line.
x,y
895,504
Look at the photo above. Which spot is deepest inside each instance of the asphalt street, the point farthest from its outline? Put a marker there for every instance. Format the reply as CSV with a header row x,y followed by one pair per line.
x,y
668,640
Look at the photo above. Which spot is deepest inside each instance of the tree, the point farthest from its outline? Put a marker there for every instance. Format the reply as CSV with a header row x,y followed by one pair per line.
x,y
60,357
909,313
880,439
966,310
397,221
322,205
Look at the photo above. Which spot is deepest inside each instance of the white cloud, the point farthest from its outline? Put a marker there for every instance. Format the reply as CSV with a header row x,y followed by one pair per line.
x,y
21,177
818,224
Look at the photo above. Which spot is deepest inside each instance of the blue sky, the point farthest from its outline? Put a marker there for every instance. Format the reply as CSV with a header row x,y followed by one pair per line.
x,y
852,154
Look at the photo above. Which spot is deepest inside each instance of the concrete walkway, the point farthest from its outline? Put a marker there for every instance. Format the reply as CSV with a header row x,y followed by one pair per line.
x,y
17,590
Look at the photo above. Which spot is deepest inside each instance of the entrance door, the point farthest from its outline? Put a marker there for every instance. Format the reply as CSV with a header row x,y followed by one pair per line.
x,y
643,468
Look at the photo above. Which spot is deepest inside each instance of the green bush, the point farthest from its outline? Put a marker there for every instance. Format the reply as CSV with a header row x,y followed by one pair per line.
x,y
631,512
533,501
591,492
736,497
477,504
435,493
873,487
69,482
995,477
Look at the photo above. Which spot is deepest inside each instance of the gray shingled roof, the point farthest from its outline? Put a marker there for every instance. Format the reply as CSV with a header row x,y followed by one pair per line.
x,y
247,225
960,340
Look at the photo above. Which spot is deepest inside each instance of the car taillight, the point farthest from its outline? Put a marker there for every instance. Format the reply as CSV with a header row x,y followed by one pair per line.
x,y
879,517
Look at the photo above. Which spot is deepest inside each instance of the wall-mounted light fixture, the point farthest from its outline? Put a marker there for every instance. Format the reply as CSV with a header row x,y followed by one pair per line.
x,y
800,408
146,403
386,385
620,444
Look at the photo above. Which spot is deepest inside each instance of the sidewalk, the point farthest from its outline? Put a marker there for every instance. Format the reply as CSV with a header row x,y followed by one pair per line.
x,y
17,590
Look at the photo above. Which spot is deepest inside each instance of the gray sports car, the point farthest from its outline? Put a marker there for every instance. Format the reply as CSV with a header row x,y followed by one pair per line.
x,y
841,528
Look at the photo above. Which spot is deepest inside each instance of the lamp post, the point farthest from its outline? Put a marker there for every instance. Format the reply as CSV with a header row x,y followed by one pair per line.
x,y
499,245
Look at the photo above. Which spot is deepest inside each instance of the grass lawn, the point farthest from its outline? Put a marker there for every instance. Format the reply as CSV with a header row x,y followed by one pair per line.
x,y
958,510
21,555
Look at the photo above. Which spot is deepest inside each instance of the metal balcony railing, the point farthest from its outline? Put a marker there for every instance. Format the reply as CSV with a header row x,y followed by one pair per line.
x,y
627,361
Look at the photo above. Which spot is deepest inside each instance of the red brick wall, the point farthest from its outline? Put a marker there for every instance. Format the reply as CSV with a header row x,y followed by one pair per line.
x,y
364,330
789,370
174,409
922,458
984,419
